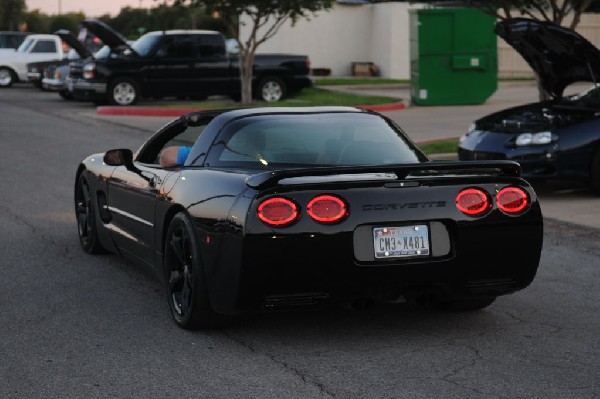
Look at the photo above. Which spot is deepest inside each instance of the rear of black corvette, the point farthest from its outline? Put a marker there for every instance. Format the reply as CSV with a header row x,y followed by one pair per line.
x,y
454,235
291,208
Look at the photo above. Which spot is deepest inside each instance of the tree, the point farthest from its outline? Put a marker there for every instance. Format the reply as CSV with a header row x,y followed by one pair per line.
x,y
68,21
266,17
549,10
11,14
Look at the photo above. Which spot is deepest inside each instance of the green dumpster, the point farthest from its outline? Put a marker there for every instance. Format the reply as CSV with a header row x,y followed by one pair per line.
x,y
453,56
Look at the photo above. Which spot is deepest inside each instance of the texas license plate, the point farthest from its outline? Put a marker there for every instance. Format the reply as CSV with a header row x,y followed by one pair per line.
x,y
399,242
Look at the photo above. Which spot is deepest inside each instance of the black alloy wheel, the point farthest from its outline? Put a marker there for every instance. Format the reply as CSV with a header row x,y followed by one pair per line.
x,y
184,277
86,218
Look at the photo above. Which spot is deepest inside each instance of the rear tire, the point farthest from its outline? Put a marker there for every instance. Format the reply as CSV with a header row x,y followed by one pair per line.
x,y
185,282
123,91
271,89
7,77
86,218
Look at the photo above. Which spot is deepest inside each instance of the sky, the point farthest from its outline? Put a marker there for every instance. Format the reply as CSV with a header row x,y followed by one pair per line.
x,y
91,8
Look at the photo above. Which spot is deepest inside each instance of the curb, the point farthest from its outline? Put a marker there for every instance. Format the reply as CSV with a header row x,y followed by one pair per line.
x,y
157,111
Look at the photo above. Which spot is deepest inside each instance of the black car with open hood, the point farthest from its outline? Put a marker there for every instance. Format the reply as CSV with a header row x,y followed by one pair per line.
x,y
559,56
556,139
113,39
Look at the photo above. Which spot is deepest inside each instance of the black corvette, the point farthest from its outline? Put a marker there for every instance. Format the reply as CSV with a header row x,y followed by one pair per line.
x,y
277,208
552,140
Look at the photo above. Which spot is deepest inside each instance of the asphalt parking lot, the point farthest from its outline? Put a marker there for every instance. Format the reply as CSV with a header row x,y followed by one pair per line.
x,y
79,326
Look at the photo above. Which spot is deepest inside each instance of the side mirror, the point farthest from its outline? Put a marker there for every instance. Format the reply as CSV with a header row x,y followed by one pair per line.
x,y
120,157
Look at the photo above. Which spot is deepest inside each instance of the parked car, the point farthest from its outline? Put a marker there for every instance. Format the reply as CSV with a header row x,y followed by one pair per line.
x,y
55,76
12,39
552,140
279,208
179,63
35,48
35,70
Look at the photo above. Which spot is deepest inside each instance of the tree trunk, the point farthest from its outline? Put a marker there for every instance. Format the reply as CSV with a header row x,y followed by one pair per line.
x,y
246,73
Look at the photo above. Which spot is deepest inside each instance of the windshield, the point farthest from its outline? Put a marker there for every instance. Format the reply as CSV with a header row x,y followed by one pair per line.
x,y
310,140
144,45
25,45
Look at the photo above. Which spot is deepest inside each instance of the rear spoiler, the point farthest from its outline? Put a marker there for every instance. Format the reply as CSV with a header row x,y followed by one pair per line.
x,y
480,168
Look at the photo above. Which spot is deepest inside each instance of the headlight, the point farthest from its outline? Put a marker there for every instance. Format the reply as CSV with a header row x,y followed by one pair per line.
x,y
89,71
540,138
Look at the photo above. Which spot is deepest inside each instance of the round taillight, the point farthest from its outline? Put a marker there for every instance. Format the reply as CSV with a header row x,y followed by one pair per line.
x,y
327,209
512,200
278,211
473,201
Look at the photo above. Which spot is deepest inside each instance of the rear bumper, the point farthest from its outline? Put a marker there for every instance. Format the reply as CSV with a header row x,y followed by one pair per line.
x,y
484,260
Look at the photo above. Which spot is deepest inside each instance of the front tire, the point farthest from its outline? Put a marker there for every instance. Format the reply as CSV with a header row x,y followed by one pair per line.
x,y
7,77
123,91
271,89
187,293
86,218
65,94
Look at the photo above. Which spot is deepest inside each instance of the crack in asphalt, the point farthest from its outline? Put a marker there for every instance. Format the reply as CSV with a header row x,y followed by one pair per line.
x,y
554,329
285,365
476,357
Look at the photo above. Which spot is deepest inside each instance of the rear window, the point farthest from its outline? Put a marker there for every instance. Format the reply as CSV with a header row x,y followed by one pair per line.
x,y
311,140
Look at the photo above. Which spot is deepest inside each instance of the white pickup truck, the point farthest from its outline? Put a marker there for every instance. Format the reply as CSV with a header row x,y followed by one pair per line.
x,y
13,63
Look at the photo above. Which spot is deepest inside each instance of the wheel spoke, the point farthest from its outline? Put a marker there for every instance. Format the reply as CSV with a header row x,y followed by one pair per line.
x,y
176,245
175,279
83,224
186,294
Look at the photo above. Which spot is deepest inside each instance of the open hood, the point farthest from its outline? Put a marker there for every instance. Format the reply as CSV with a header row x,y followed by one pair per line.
x,y
108,35
558,55
67,36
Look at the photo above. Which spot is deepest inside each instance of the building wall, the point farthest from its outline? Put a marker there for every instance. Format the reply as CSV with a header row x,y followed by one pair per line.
x,y
379,33
334,39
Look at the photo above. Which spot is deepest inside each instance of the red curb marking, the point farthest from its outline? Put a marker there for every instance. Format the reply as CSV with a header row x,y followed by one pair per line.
x,y
384,107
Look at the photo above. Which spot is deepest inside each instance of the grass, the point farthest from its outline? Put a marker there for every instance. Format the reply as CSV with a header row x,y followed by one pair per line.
x,y
440,147
305,98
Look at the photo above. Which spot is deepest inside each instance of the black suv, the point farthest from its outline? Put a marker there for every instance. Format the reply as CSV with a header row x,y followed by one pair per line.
x,y
178,63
